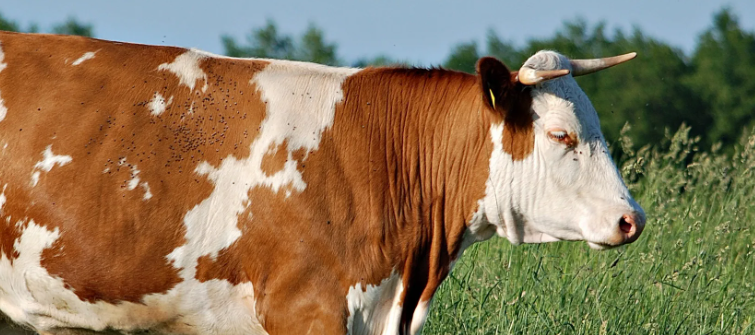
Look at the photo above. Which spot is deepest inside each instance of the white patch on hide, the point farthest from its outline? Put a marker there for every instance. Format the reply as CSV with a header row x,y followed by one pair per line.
x,y
3,65
301,100
375,309
299,107
158,104
147,192
15,298
48,161
493,207
418,317
3,199
186,68
135,181
86,56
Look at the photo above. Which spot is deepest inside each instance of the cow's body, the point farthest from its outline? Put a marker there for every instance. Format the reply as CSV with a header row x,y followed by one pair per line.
x,y
170,190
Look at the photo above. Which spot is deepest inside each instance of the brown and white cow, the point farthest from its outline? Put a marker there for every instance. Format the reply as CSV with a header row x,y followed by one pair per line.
x,y
147,188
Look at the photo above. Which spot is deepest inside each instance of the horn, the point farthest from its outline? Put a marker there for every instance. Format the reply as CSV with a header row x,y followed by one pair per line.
x,y
529,76
587,66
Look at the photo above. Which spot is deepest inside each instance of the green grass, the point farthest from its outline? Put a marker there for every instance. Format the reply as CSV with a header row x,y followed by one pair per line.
x,y
691,272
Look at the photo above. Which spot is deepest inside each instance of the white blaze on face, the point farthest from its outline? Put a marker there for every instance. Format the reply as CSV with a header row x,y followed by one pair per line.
x,y
3,65
158,104
375,309
186,68
48,161
86,56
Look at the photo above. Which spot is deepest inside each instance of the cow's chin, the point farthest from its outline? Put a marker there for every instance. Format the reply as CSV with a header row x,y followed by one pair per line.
x,y
599,246
540,238
545,238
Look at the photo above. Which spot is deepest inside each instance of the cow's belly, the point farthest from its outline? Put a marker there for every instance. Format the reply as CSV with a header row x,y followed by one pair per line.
x,y
30,296
168,314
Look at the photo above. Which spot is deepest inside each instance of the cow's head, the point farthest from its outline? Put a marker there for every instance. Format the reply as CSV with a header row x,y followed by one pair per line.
x,y
551,175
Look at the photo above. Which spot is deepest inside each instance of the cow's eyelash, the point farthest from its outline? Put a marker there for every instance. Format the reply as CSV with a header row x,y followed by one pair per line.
x,y
558,134
561,136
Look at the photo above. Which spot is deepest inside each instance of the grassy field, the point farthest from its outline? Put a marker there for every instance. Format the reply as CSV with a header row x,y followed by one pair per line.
x,y
690,273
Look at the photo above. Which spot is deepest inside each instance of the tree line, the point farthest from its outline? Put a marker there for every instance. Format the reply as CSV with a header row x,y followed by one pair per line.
x,y
712,90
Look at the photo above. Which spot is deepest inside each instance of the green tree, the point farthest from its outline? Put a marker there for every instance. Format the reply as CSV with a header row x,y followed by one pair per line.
x,y
463,57
504,50
724,63
70,27
313,48
267,42
73,27
8,25
264,42
380,60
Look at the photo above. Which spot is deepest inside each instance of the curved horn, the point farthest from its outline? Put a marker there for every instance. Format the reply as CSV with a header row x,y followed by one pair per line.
x,y
587,66
528,76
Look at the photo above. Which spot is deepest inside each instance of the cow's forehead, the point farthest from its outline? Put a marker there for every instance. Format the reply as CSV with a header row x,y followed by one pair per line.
x,y
562,98
548,60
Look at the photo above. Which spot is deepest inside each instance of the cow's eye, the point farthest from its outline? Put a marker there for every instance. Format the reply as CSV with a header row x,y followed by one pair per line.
x,y
561,136
558,134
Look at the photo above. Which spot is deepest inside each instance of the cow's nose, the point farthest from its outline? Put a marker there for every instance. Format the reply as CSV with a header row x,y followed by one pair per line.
x,y
631,226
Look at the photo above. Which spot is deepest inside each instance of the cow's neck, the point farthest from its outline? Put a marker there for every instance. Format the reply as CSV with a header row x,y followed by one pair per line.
x,y
436,161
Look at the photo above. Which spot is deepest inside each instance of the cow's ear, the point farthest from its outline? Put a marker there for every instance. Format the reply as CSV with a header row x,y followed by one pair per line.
x,y
497,83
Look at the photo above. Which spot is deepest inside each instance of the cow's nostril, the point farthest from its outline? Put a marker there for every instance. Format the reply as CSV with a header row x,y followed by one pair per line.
x,y
626,224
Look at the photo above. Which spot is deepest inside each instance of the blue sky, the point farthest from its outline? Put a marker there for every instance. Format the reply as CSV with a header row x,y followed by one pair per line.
x,y
422,31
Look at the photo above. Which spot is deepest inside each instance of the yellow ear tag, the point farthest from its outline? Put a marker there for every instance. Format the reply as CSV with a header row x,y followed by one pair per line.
x,y
492,97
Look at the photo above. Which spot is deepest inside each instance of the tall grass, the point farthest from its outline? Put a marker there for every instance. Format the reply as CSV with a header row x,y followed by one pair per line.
x,y
691,272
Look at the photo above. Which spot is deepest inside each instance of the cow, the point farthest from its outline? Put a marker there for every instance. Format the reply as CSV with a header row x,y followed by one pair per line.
x,y
169,190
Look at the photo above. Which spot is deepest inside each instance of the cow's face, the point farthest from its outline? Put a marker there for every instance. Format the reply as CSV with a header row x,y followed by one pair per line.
x,y
551,175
